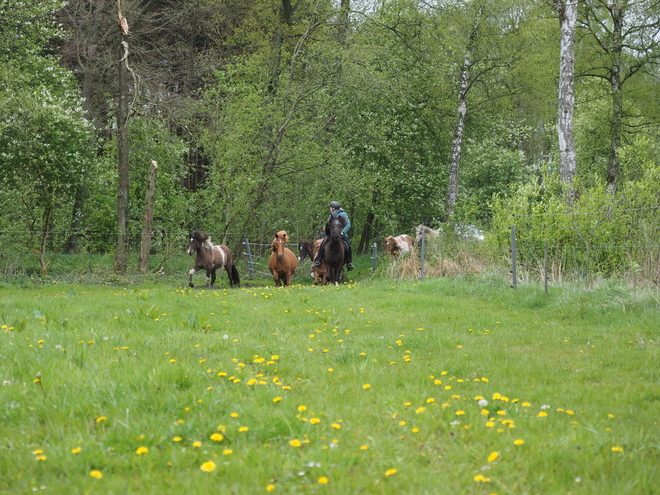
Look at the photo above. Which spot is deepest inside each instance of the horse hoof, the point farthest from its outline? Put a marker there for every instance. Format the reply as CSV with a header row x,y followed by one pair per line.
x,y
191,285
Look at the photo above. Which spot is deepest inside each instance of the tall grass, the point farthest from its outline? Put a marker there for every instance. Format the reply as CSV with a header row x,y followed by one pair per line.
x,y
446,386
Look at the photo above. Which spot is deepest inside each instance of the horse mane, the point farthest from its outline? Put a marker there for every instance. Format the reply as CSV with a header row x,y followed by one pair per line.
x,y
204,239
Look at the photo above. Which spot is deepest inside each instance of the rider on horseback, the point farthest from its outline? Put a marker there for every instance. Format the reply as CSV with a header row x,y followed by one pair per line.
x,y
335,208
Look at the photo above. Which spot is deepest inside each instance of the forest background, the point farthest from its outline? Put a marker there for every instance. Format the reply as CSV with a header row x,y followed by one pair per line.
x,y
543,115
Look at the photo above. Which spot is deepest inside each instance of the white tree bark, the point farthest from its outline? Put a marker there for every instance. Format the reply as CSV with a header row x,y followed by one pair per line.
x,y
457,143
567,11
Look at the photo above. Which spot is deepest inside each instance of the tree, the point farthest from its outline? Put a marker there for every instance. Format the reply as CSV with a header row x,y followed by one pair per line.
x,y
44,138
625,36
567,12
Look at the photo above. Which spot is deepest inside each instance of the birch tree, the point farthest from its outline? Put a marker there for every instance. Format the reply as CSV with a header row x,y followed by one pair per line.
x,y
567,11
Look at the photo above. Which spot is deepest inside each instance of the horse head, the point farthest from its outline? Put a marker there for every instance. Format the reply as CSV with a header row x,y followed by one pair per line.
x,y
278,243
197,240
334,226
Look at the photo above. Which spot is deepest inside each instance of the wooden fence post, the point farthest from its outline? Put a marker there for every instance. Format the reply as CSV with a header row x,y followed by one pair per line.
x,y
513,256
421,256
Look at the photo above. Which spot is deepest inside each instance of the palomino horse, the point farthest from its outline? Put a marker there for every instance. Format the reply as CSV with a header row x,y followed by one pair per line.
x,y
282,262
335,250
310,248
210,257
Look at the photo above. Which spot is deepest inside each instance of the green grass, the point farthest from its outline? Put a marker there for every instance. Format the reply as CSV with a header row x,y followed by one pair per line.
x,y
392,371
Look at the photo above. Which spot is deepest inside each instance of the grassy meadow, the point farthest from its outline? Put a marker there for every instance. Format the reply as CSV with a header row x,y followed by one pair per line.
x,y
451,385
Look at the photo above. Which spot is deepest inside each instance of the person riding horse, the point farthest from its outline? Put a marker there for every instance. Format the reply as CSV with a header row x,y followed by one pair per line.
x,y
335,208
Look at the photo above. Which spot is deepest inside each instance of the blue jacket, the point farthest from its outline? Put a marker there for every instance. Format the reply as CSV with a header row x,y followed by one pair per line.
x,y
342,213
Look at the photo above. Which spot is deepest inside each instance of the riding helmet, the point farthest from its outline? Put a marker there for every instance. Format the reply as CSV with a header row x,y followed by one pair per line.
x,y
335,204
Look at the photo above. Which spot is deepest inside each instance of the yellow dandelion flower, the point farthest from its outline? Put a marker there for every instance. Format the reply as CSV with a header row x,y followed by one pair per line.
x,y
364,447
277,399
542,414
519,441
40,458
314,421
227,452
420,410
95,473
141,450
322,480
197,444
217,437
390,472
493,456
76,450
302,408
460,413
243,429
234,415
208,466
100,419
295,443
617,449
366,386
270,488
336,426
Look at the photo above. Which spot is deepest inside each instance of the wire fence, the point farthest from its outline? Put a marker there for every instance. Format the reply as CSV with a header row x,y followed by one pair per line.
x,y
547,248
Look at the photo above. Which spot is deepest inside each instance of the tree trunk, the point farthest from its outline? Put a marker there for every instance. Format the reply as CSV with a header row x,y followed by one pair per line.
x,y
457,143
147,225
121,256
617,100
366,237
567,12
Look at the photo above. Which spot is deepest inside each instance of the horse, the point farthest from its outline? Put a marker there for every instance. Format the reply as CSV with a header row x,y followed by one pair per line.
x,y
210,257
309,249
398,245
282,262
334,251
428,231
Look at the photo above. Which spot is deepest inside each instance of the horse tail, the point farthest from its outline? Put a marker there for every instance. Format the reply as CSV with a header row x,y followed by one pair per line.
x,y
235,278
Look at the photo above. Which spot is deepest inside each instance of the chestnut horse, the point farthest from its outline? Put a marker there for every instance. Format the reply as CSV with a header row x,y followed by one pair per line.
x,y
282,262
310,248
210,257
334,250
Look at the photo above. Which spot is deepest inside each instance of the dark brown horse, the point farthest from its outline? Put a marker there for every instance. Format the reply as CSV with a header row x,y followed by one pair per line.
x,y
210,257
282,262
335,250
310,248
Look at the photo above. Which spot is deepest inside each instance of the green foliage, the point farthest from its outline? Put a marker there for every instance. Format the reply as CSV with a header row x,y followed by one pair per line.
x,y
47,146
597,234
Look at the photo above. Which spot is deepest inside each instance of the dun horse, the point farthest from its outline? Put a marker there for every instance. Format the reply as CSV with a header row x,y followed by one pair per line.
x,y
210,257
335,250
282,262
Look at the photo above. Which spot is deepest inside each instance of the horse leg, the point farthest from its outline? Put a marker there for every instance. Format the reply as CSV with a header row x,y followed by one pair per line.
x,y
210,278
191,273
